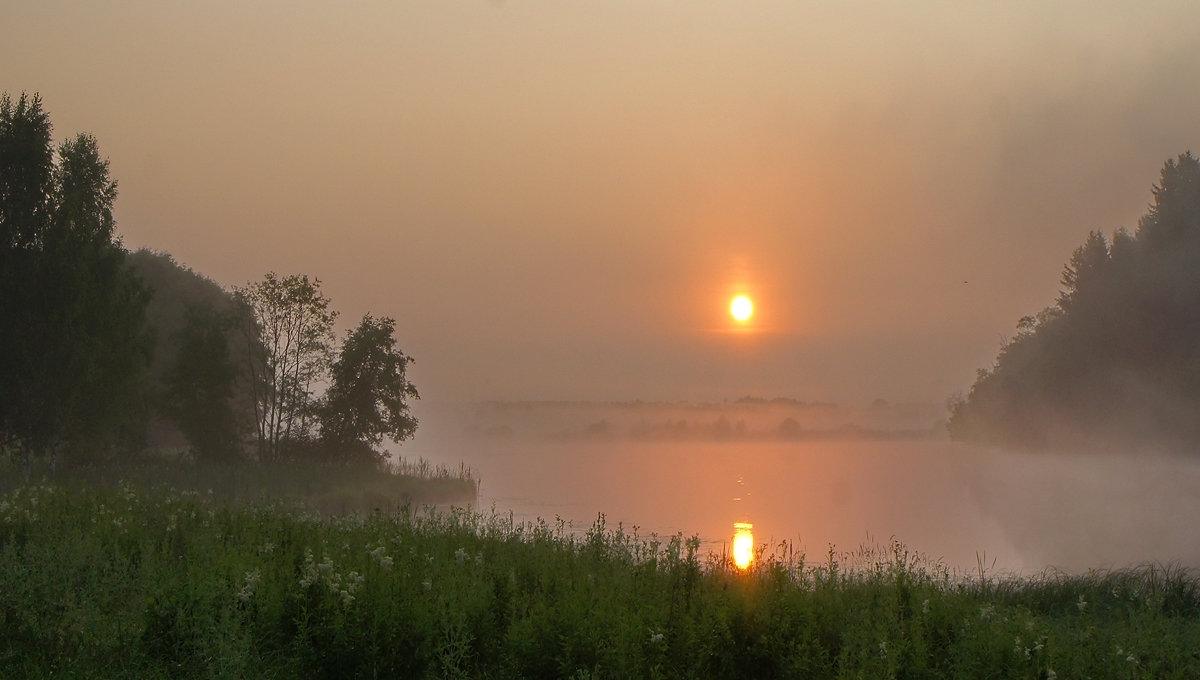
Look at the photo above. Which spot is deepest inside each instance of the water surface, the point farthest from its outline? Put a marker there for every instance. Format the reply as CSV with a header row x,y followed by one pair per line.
x,y
956,504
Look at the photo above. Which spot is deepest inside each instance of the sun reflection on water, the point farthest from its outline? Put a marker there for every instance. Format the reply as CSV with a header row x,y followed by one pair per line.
x,y
743,544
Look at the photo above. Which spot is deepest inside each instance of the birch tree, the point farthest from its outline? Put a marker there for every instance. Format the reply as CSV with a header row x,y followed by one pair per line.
x,y
291,345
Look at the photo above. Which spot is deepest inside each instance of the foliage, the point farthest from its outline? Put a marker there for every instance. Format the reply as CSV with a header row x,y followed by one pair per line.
x,y
200,385
177,292
159,583
73,347
26,171
367,399
290,338
1116,361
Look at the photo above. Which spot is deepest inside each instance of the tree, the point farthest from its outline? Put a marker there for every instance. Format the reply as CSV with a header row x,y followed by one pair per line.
x,y
369,393
200,385
26,170
83,193
73,344
289,335
1086,270
1117,360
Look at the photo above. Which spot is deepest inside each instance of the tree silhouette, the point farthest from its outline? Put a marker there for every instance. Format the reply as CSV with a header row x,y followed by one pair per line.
x,y
368,397
290,337
200,385
1116,361
26,170
73,345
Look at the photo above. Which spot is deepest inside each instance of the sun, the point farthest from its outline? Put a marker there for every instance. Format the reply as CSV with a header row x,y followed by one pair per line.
x,y
741,308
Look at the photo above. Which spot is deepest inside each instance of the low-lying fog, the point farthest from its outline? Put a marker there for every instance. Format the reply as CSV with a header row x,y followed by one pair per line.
x,y
816,475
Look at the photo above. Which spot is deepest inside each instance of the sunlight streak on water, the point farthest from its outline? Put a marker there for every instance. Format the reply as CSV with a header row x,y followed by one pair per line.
x,y
743,544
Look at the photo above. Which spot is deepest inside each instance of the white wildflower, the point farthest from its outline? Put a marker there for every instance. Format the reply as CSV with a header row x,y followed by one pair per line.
x,y
883,648
247,591
460,555
655,638
1081,604
925,607
309,573
380,555
986,613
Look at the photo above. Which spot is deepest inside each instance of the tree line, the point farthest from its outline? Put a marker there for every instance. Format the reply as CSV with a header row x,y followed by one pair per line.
x,y
1115,361
101,348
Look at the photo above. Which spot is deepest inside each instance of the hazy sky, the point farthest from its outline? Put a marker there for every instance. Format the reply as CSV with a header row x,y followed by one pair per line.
x,y
557,199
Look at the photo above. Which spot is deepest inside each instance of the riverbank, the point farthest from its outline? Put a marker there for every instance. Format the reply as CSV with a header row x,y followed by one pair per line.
x,y
325,489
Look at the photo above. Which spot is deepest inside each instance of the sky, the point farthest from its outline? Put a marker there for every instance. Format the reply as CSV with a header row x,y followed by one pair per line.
x,y
558,199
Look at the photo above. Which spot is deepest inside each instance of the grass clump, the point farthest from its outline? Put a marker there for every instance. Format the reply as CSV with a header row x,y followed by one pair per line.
x,y
125,581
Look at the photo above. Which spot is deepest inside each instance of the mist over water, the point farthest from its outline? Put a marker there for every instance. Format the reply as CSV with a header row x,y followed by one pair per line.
x,y
954,503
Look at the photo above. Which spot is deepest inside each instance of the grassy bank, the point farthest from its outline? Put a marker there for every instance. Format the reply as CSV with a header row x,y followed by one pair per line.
x,y
128,582
326,489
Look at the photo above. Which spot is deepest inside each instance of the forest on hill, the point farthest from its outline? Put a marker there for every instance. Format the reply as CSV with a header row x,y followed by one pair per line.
x,y
107,354
1114,363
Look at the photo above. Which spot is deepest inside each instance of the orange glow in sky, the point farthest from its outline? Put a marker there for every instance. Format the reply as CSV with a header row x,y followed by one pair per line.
x,y
846,166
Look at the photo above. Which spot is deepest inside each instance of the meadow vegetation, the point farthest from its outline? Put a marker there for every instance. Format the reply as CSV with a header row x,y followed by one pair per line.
x,y
128,581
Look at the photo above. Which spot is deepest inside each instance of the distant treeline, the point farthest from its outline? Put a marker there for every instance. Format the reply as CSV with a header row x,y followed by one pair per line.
x,y
103,352
1115,362
745,419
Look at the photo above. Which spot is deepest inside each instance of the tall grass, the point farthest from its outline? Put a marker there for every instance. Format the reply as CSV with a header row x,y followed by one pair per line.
x,y
121,581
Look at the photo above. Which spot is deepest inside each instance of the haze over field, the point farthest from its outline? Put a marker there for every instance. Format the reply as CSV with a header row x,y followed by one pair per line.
x,y
557,200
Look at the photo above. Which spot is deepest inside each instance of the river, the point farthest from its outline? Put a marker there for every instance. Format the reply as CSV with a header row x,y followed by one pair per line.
x,y
962,506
